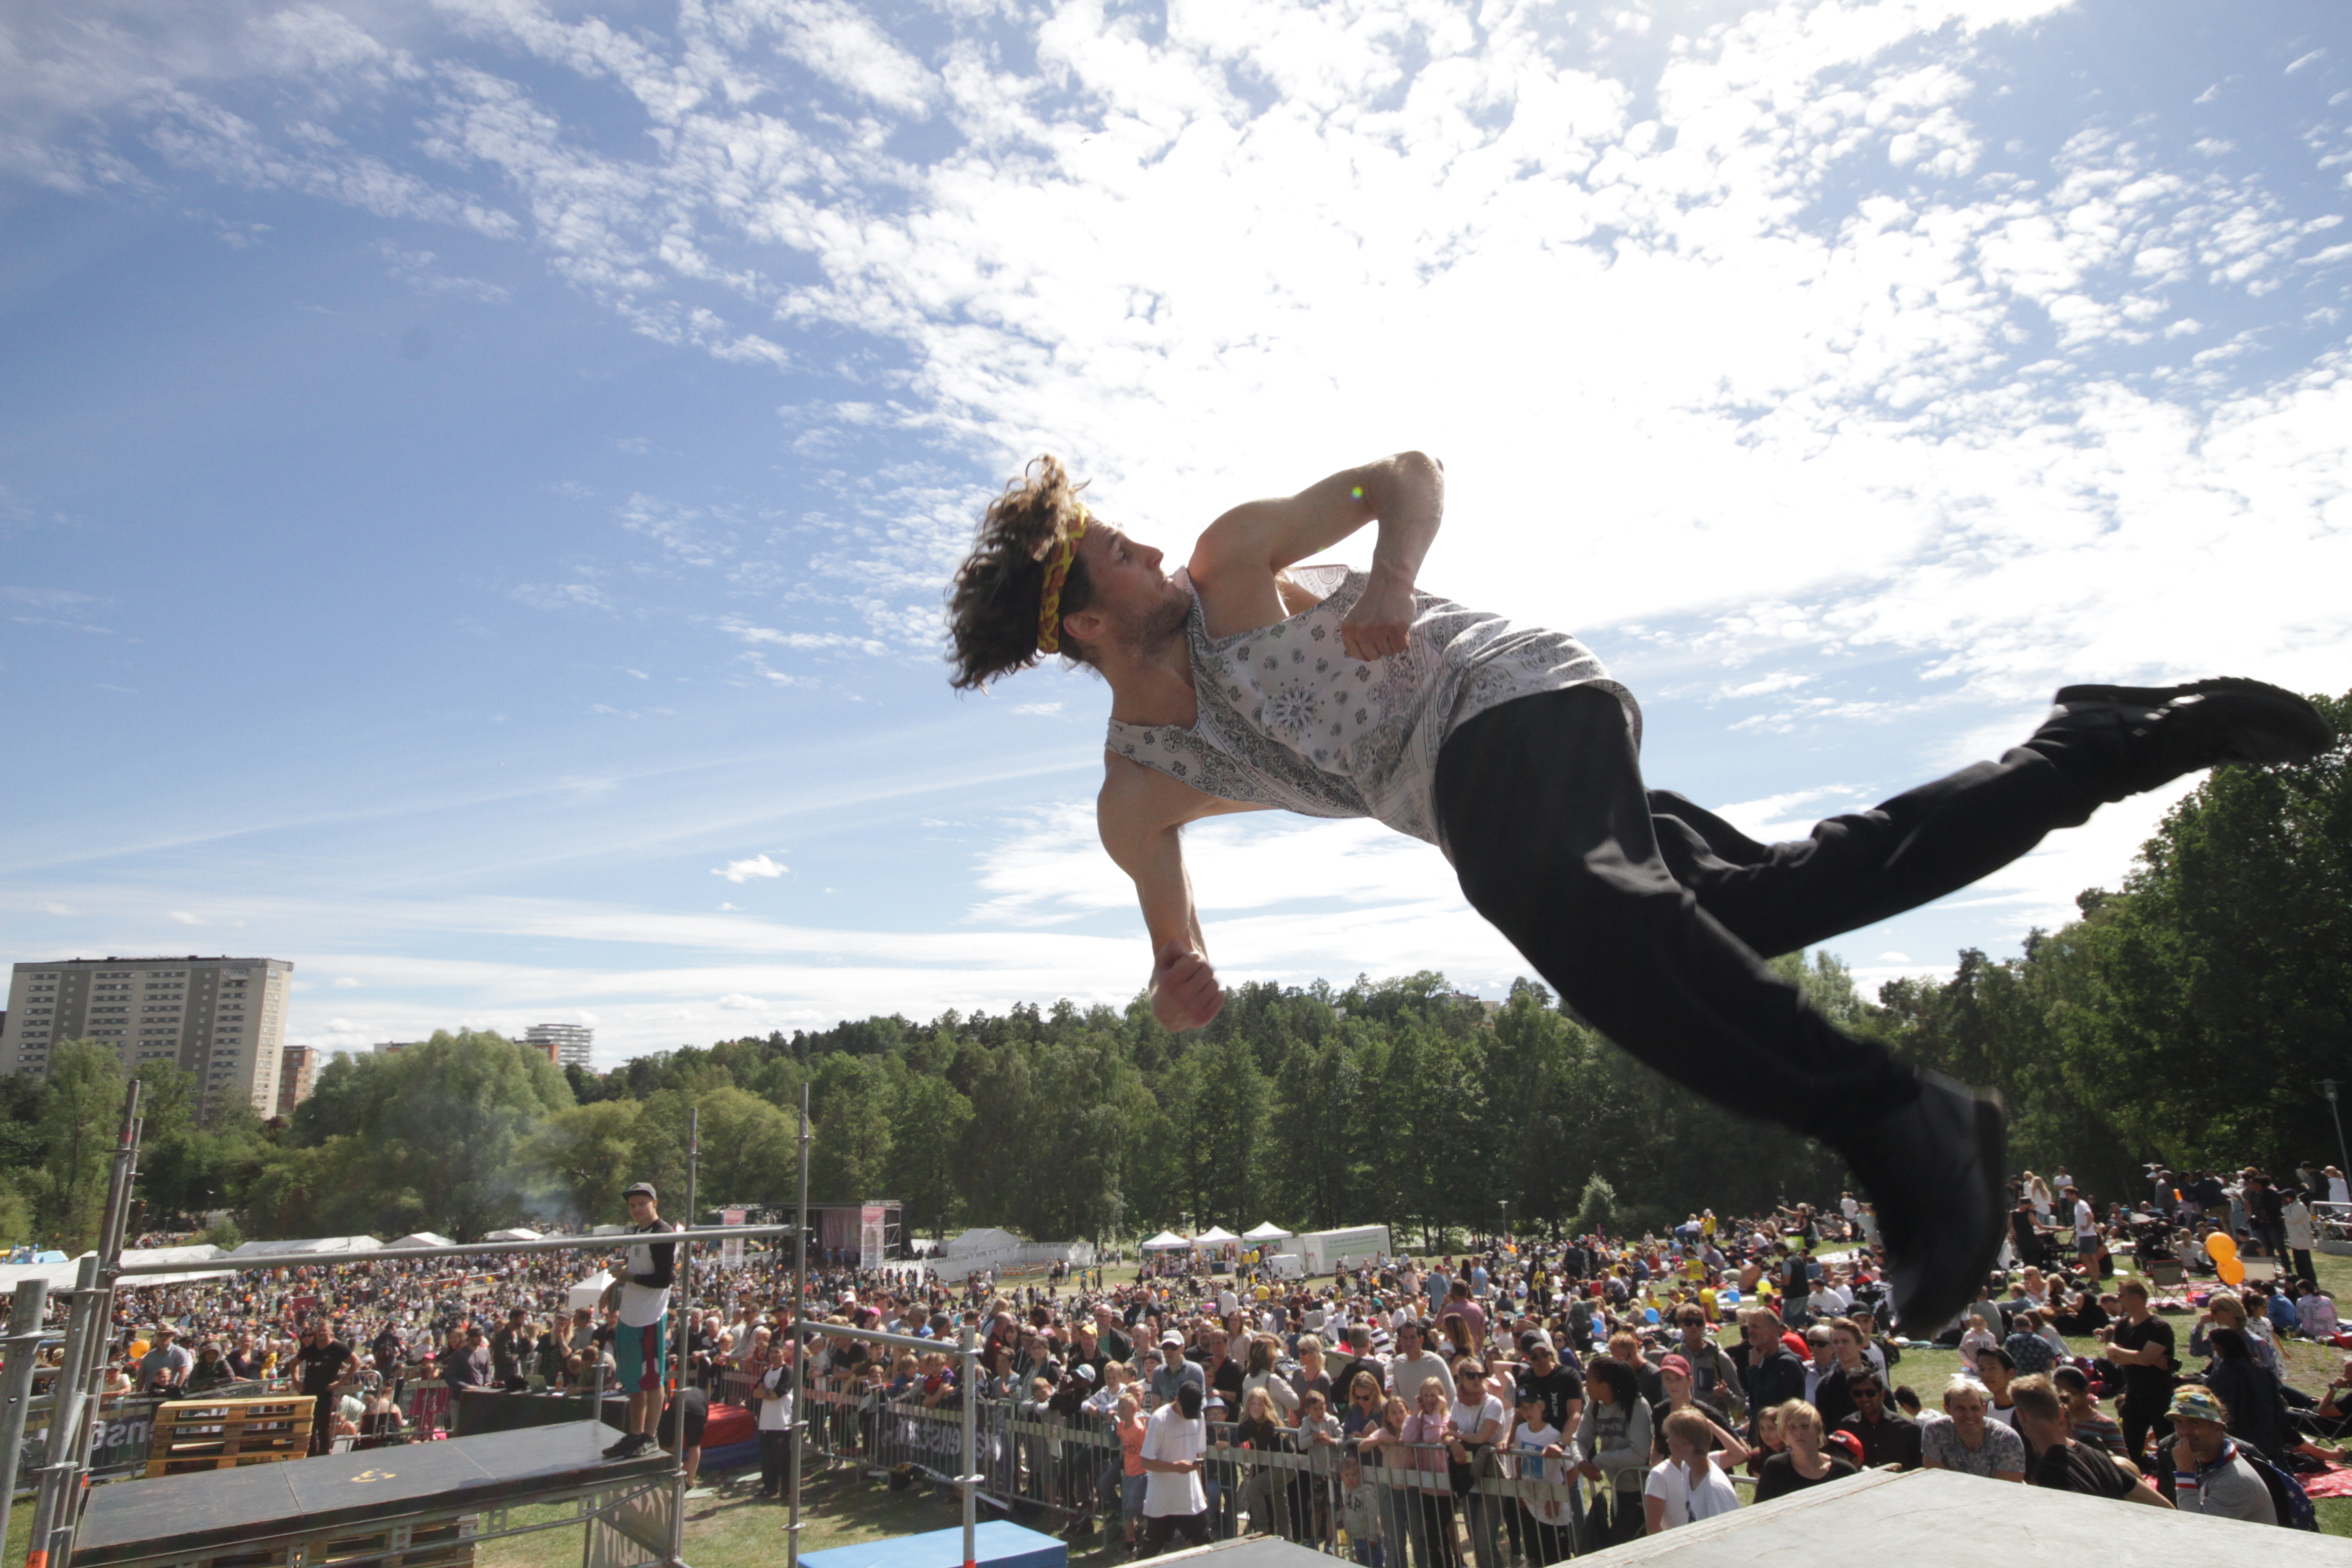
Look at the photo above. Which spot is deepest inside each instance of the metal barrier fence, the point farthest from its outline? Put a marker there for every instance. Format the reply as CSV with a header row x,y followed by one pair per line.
x,y
1421,1512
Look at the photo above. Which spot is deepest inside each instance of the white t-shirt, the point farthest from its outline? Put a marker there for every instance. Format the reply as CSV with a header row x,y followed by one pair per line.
x,y
1686,1502
2085,1221
1471,1419
1527,1445
642,1306
776,1413
1171,1437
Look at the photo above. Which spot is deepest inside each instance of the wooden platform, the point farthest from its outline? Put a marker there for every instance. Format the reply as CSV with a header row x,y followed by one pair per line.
x,y
417,1501
195,1435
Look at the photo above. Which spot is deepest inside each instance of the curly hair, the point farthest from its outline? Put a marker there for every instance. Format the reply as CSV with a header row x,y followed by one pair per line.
x,y
993,602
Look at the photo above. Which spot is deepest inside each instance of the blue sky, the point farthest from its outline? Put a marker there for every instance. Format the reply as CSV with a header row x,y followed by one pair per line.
x,y
477,478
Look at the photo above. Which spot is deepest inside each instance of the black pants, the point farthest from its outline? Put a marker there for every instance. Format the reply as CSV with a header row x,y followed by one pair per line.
x,y
2138,1426
1158,1527
1651,916
775,1456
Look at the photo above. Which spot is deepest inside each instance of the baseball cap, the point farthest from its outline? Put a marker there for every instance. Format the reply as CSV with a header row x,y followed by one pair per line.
x,y
1173,1338
1848,1441
1084,1371
633,1188
1680,1365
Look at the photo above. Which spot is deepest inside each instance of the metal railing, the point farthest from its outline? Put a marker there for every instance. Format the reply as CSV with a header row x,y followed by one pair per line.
x,y
1054,1472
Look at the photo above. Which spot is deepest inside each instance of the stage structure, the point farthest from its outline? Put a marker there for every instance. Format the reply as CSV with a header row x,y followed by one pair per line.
x,y
635,1509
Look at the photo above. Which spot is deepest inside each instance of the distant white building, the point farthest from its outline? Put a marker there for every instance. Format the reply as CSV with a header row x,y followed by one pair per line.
x,y
574,1043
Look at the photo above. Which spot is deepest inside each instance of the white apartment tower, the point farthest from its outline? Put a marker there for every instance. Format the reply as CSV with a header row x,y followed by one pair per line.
x,y
223,1019
574,1043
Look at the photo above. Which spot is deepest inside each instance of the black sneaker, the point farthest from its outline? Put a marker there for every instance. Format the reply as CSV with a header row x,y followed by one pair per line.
x,y
2120,741
630,1445
1934,1170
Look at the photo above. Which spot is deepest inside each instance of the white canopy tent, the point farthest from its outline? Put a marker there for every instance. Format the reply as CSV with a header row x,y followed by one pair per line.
x,y
516,1233
1267,1232
323,1246
1215,1236
1166,1241
61,1276
419,1238
201,1252
589,1291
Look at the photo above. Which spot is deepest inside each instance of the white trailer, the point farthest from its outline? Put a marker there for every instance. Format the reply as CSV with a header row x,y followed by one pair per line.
x,y
1327,1251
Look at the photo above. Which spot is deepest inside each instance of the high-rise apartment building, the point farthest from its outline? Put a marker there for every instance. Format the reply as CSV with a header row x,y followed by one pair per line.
x,y
574,1043
296,1068
222,1019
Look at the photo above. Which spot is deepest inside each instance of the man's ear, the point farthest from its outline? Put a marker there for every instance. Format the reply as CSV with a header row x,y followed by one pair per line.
x,y
1086,626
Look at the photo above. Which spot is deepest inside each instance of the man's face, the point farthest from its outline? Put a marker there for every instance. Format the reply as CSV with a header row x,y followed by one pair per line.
x,y
1693,1332
641,1208
1408,1342
2204,1437
1136,605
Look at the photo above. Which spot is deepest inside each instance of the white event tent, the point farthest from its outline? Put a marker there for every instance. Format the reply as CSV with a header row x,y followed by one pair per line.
x,y
324,1246
1166,1241
419,1238
1267,1232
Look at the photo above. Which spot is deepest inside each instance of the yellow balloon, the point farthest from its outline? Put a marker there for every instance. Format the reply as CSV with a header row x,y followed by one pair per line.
x,y
2232,1271
2219,1248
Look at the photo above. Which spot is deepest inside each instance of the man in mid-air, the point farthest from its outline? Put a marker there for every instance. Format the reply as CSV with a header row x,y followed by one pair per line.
x,y
1246,683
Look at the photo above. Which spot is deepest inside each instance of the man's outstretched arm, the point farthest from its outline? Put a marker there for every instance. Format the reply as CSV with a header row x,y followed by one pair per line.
x,y
1405,494
1140,814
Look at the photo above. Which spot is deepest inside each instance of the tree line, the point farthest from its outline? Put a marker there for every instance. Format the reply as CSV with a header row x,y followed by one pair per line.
x,y
2187,1016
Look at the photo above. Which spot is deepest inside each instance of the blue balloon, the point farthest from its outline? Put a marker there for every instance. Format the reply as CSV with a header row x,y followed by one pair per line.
x,y
1650,1315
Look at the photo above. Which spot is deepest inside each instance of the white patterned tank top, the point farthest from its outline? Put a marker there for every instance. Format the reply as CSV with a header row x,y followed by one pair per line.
x,y
1288,719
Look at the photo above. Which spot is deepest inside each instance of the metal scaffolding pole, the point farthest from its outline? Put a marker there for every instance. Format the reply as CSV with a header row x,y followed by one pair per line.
x,y
800,1351
680,1480
25,1314
57,1507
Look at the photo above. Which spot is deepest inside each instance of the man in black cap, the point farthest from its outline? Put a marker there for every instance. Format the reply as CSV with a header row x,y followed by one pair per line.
x,y
639,1338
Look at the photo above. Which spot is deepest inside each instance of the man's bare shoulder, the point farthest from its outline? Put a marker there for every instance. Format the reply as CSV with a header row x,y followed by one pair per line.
x,y
1138,798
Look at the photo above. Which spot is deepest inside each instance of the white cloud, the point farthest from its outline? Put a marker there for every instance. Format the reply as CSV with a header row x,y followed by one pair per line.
x,y
348,983
741,871
181,917
1038,710
735,1001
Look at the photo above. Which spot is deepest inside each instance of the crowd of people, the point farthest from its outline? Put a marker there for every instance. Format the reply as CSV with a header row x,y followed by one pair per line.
x,y
1614,1387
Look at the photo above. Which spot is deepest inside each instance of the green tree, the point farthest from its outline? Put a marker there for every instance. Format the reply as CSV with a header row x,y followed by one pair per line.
x,y
582,1155
927,1133
81,1118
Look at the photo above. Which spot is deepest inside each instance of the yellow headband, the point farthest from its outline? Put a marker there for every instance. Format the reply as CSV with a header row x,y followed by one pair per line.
x,y
1057,571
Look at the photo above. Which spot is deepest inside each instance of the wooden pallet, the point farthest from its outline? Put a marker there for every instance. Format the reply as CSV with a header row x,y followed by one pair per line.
x,y
225,1433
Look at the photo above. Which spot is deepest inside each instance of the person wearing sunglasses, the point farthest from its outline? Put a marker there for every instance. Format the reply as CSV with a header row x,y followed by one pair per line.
x,y
1887,1436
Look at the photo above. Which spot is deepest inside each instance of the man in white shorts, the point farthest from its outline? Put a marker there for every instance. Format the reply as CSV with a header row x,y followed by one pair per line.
x,y
1246,682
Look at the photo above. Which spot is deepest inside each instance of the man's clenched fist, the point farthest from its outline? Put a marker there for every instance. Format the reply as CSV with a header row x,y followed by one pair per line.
x,y
1184,990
